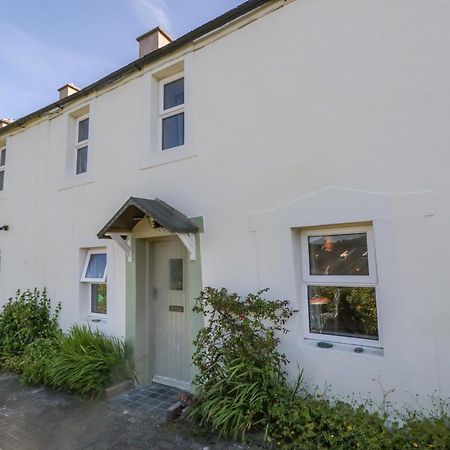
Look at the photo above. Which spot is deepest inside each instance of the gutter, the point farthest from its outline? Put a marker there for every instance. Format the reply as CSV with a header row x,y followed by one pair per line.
x,y
140,63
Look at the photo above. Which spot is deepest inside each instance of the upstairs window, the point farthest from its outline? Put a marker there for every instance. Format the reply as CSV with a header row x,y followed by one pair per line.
x,y
172,112
94,273
81,145
2,167
339,280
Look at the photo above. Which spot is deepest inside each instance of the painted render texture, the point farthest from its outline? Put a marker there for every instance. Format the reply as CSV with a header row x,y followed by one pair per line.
x,y
317,113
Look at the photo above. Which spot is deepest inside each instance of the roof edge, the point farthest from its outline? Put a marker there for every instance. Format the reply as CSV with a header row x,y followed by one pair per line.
x,y
140,63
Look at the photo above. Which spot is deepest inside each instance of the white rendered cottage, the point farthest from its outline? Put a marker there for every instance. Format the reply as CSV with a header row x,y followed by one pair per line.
x,y
297,145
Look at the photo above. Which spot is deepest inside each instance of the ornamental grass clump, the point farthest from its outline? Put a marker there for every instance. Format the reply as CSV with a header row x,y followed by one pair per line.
x,y
89,361
240,367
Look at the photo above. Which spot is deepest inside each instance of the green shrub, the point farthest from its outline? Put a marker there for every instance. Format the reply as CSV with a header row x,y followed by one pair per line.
x,y
240,367
23,320
37,358
11,363
314,424
241,387
420,431
89,361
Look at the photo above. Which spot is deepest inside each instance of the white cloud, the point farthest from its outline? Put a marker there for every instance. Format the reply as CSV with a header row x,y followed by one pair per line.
x,y
152,12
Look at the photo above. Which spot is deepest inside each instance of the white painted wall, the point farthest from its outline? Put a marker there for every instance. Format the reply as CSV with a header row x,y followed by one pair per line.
x,y
322,112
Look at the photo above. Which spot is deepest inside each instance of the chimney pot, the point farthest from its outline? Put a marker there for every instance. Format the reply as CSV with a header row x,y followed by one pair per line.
x,y
5,122
153,40
67,89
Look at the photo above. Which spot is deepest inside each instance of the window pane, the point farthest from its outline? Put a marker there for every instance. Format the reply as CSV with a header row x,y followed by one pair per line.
x,y
2,179
2,157
343,311
174,93
98,298
173,131
341,254
83,130
97,266
82,156
176,274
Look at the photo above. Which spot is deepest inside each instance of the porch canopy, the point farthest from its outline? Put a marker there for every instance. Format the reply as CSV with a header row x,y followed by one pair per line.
x,y
156,210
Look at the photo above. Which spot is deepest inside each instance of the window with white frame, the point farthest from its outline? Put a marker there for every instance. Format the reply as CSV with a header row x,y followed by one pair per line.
x,y
81,145
94,273
2,167
172,112
339,284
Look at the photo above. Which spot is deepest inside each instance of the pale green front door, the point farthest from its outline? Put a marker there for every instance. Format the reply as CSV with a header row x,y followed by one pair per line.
x,y
171,312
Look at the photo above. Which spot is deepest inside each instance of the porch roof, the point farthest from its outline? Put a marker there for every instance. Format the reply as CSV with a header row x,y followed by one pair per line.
x,y
127,217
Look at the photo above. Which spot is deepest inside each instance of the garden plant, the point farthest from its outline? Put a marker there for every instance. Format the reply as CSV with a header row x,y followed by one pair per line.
x,y
83,361
242,388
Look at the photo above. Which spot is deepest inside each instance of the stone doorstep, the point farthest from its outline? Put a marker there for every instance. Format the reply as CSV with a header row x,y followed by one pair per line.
x,y
118,389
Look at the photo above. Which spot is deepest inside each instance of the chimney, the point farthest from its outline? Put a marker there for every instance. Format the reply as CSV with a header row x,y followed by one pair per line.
x,y
5,122
67,89
153,40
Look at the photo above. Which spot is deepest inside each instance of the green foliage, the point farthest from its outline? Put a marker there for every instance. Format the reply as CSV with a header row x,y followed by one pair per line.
x,y
37,358
89,361
242,387
420,431
32,345
315,424
240,367
23,320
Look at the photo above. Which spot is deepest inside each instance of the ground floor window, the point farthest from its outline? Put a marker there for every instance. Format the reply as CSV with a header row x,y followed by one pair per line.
x,y
94,274
99,298
339,284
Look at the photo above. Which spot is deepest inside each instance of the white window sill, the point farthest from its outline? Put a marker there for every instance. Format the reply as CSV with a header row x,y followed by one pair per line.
x,y
75,181
167,156
344,348
97,319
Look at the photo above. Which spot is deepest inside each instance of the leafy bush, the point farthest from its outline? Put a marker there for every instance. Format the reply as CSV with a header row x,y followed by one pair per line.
x,y
37,358
242,387
314,424
23,320
420,431
89,361
240,367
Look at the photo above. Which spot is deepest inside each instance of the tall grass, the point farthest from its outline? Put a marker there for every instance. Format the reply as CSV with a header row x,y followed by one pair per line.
x,y
89,361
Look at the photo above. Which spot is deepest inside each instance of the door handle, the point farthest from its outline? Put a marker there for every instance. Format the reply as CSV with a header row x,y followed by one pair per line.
x,y
155,292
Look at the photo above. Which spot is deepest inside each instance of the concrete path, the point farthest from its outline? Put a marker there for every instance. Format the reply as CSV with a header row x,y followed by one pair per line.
x,y
37,418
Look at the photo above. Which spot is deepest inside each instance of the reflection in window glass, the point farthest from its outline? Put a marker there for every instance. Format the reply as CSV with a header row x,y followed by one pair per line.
x,y
96,267
343,311
173,131
82,156
176,274
83,130
98,298
342,254
174,93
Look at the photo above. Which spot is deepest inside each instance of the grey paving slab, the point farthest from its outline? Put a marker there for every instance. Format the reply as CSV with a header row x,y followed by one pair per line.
x,y
37,418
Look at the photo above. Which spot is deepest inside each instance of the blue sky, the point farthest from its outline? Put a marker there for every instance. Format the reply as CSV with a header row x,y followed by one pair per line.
x,y
47,43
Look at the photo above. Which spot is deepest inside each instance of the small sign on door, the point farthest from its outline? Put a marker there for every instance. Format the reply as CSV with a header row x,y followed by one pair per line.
x,y
176,308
